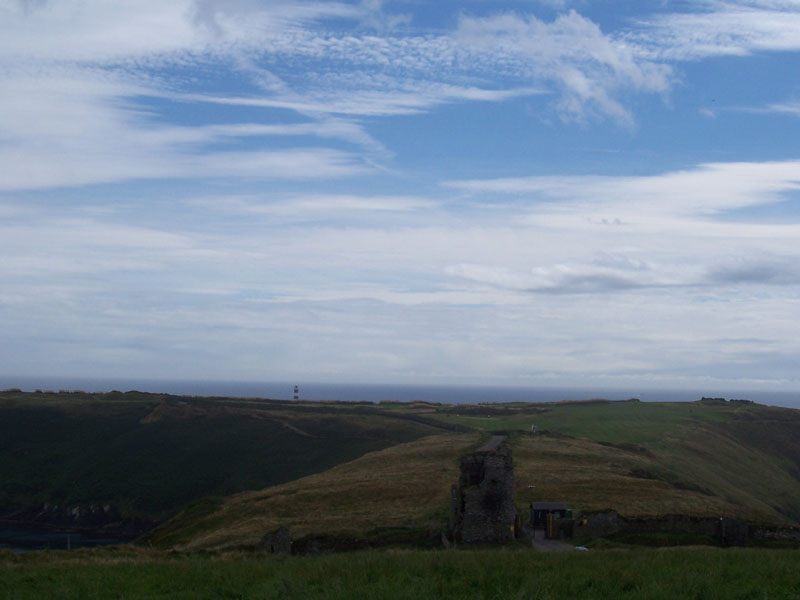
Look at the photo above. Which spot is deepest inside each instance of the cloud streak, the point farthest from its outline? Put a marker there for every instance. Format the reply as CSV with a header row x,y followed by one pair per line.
x,y
705,191
721,28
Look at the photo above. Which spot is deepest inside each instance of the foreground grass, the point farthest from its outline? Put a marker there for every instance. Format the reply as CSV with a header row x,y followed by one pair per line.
x,y
517,573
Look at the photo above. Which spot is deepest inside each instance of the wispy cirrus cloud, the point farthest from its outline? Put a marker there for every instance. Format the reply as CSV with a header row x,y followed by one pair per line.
x,y
412,97
130,31
68,126
588,66
72,110
720,28
703,191
74,76
74,90
786,108
350,210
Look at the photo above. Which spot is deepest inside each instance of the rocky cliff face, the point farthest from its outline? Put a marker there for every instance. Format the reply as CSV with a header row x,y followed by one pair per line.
x,y
482,504
94,517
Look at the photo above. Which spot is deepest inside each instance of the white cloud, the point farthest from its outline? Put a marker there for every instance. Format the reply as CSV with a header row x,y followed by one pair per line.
x,y
704,191
602,273
589,66
330,128
416,278
637,276
556,4
67,127
75,76
787,108
411,98
667,231
721,28
315,207
131,30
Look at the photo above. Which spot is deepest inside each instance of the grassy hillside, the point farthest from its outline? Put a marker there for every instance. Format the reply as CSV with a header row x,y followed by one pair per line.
x,y
148,456
649,459
643,460
376,471
403,487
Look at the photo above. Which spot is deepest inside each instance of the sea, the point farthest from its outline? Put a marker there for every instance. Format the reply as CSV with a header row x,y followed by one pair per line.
x,y
372,392
21,538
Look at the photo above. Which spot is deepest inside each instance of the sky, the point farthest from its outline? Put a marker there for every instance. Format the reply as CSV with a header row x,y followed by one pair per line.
x,y
520,192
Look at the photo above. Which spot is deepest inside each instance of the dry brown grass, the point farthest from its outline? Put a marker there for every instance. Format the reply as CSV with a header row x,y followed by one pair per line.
x,y
404,486
408,486
641,460
589,476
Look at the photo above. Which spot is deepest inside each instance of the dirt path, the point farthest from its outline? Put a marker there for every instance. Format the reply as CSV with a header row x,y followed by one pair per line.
x,y
541,543
492,444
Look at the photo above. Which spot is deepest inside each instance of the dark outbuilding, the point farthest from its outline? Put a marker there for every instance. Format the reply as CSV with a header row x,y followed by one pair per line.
x,y
541,511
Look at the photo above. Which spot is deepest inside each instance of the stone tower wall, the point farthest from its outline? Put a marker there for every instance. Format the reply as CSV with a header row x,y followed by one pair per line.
x,y
482,504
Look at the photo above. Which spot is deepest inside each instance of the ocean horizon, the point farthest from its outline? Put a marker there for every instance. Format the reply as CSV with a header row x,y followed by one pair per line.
x,y
373,392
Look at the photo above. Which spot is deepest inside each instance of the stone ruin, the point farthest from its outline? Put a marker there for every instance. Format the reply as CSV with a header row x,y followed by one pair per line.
x,y
277,542
482,504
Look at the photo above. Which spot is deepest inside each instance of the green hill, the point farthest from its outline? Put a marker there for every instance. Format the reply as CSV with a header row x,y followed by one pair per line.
x,y
643,460
234,469
649,459
116,459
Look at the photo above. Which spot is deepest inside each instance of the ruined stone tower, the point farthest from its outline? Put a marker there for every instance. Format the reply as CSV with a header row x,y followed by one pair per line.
x,y
482,504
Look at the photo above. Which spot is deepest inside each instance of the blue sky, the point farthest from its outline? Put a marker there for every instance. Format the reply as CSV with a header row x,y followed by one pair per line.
x,y
531,192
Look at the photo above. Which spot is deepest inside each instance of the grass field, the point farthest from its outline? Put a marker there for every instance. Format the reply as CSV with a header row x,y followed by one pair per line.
x,y
237,468
686,573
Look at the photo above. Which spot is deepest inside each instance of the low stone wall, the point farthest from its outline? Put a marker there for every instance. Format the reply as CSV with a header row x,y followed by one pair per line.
x,y
780,534
729,532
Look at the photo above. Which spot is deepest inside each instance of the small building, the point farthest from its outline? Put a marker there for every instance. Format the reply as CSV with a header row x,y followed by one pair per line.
x,y
541,511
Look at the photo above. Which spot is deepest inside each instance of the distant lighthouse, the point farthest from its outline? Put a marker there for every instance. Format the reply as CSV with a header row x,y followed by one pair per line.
x,y
296,392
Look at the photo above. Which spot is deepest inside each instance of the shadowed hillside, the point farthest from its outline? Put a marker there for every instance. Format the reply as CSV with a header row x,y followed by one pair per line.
x,y
110,459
